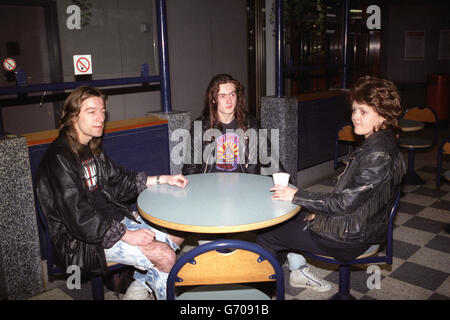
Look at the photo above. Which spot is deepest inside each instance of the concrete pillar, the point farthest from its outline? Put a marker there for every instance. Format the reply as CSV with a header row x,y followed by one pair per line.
x,y
281,113
177,120
20,259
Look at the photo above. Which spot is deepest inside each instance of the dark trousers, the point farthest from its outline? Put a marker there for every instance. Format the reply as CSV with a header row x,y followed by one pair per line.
x,y
292,236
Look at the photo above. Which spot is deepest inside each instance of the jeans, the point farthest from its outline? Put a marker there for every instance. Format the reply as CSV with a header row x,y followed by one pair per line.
x,y
127,254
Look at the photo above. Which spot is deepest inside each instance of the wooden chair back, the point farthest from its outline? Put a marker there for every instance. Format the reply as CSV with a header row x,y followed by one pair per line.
x,y
346,134
225,262
446,148
424,114
214,267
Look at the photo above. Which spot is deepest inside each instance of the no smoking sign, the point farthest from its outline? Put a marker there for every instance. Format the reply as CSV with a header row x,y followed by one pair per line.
x,y
82,64
9,64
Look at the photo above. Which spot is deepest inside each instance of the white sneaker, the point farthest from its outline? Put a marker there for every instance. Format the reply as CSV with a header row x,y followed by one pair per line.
x,y
136,291
306,278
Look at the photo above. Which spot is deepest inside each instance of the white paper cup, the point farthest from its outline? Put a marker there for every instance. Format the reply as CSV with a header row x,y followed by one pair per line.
x,y
281,178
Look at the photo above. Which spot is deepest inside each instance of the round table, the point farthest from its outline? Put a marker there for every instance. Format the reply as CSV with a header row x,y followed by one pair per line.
x,y
215,203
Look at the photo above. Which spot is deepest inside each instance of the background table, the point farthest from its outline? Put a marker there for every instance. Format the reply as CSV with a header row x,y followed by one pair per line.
x,y
411,139
215,203
410,125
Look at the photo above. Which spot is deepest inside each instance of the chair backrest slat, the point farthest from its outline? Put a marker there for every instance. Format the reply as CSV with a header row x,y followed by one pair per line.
x,y
213,267
420,114
226,261
446,148
346,134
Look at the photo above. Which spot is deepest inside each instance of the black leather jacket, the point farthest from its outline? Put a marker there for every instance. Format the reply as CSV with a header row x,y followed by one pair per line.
x,y
77,228
251,163
357,210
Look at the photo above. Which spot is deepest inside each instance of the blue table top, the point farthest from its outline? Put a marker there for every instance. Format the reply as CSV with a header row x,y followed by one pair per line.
x,y
215,203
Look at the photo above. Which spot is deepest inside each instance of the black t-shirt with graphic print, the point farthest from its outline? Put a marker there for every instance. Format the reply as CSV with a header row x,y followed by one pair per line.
x,y
227,149
91,179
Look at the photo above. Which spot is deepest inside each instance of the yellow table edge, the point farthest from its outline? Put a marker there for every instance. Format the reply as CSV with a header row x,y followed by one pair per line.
x,y
219,229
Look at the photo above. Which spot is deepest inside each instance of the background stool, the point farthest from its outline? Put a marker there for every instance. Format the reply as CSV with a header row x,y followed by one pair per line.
x,y
419,141
444,149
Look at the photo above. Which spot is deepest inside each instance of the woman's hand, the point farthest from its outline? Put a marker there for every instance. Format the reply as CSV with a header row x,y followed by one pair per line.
x,y
140,237
284,193
310,216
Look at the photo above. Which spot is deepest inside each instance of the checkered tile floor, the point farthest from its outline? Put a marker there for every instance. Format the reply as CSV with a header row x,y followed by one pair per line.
x,y
421,266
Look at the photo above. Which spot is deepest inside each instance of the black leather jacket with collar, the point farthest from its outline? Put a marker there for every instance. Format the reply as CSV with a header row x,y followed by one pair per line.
x,y
357,210
248,165
76,227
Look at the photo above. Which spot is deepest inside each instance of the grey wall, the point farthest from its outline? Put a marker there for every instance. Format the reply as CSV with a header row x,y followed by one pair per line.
x,y
205,38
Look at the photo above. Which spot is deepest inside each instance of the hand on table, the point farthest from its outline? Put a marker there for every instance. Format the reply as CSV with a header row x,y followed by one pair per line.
x,y
284,193
177,180
174,180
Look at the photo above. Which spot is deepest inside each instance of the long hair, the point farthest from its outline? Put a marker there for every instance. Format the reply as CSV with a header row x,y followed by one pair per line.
x,y
71,109
380,94
210,109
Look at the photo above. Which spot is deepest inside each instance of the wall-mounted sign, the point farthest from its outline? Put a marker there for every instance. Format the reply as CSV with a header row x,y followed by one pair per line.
x,y
414,45
9,64
444,44
82,64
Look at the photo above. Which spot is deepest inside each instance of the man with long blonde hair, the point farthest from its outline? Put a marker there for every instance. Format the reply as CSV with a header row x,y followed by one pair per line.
x,y
82,194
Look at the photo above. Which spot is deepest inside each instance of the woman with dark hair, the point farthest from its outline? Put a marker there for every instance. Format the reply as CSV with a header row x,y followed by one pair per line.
x,y
229,136
345,222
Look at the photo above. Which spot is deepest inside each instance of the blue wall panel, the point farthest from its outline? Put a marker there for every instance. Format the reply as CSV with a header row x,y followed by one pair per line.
x,y
142,149
318,121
